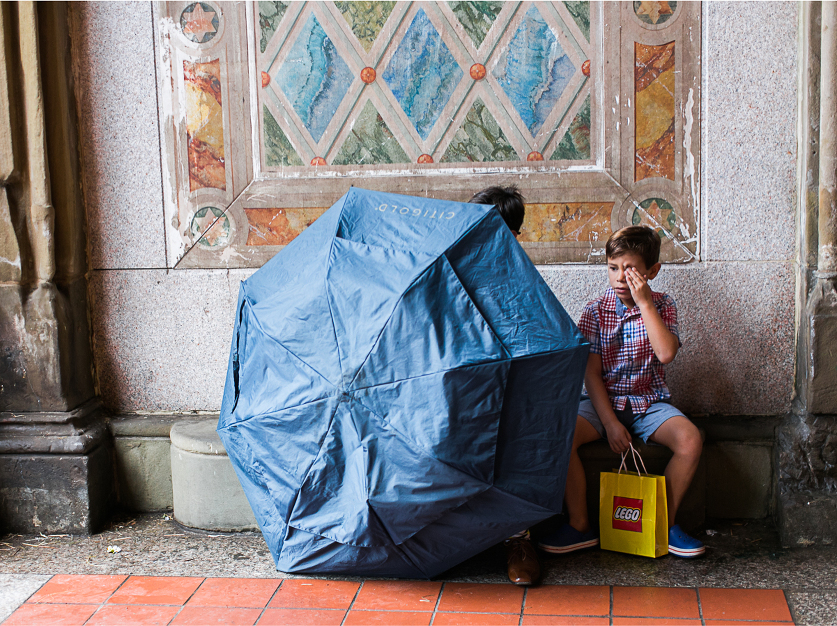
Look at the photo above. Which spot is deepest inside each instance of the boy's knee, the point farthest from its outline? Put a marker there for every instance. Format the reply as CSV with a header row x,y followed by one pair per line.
x,y
689,442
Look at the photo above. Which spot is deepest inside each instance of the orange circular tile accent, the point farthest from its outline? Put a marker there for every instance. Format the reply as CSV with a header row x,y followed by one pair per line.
x,y
534,156
478,71
425,158
368,75
318,161
585,68
265,79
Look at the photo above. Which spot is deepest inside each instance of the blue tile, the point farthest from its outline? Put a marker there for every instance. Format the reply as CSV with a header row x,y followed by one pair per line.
x,y
534,70
422,74
314,78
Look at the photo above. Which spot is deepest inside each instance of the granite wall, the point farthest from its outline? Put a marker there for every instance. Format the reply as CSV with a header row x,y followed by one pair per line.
x,y
162,336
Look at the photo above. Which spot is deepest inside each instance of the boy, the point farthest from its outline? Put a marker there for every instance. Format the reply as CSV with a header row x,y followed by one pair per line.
x,y
521,559
632,333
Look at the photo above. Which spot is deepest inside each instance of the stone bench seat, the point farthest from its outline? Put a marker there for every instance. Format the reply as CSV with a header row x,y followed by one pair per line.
x,y
206,492
597,457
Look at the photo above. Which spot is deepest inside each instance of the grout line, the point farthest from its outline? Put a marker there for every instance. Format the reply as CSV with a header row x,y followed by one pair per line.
x,y
700,607
610,612
352,603
523,606
438,602
182,606
112,593
270,599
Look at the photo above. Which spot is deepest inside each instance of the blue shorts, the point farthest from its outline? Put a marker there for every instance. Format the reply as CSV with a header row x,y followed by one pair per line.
x,y
643,426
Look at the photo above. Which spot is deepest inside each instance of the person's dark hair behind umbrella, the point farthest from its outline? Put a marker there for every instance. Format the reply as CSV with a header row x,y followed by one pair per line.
x,y
508,201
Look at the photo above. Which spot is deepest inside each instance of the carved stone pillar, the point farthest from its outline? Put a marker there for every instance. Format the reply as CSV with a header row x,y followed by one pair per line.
x,y
54,467
807,439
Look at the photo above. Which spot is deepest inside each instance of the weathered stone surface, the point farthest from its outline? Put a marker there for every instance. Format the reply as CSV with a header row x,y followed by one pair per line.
x,y
71,432
55,493
807,518
822,373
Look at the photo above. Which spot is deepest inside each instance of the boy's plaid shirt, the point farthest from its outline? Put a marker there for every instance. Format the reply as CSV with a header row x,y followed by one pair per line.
x,y
630,369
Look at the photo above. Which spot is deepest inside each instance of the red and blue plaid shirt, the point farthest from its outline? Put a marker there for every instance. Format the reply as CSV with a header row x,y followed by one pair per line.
x,y
630,369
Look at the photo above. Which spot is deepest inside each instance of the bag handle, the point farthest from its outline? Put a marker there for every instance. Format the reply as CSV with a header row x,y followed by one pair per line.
x,y
635,456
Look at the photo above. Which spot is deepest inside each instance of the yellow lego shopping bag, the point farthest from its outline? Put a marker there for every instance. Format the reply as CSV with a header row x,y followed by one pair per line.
x,y
633,514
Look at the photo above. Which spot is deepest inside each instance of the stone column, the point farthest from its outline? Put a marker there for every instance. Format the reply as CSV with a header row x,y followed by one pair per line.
x,y
807,439
54,467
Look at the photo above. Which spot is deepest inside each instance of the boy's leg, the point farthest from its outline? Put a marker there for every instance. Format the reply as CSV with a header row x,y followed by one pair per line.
x,y
576,534
575,493
683,439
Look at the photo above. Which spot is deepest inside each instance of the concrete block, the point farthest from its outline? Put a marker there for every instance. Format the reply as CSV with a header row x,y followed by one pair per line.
x,y
206,490
143,471
739,479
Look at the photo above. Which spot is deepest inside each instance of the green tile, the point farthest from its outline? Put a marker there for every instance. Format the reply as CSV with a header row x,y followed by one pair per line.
x,y
479,139
580,10
366,19
278,149
370,141
476,17
575,145
270,14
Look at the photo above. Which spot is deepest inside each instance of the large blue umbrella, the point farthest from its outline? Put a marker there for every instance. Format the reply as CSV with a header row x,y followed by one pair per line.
x,y
402,389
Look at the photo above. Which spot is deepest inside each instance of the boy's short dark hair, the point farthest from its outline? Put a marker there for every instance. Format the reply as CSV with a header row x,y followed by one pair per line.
x,y
641,240
509,203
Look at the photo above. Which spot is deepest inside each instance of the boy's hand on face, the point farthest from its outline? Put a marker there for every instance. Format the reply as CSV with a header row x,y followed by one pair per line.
x,y
618,437
638,284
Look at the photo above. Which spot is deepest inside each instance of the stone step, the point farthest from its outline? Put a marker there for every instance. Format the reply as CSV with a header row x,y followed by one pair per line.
x,y
206,491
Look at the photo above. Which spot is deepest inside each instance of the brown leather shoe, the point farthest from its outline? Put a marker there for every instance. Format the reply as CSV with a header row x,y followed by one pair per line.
x,y
522,561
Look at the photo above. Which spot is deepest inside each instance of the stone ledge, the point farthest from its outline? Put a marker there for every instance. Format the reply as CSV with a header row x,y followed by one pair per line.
x,y
53,432
155,425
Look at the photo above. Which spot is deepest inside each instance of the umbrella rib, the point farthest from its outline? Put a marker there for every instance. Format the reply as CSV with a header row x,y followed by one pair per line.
x,y
284,408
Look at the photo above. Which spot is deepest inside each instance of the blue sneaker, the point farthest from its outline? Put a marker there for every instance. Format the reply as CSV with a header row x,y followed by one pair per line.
x,y
680,544
568,539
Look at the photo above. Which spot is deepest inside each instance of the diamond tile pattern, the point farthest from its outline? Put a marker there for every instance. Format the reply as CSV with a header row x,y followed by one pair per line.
x,y
422,74
314,77
534,70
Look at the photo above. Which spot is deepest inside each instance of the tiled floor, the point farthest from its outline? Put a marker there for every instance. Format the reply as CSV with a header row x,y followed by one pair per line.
x,y
124,600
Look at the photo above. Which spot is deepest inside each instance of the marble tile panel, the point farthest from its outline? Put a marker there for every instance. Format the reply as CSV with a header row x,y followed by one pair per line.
x,y
15,589
204,124
114,71
279,150
161,339
479,139
575,144
654,72
567,221
736,323
476,18
370,141
366,19
749,96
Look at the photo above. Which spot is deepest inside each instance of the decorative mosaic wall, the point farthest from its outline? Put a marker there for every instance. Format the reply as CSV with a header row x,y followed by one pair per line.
x,y
271,110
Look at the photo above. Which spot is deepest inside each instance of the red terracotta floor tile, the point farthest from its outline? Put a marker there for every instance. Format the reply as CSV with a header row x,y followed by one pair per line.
x,y
655,621
476,619
567,600
78,589
251,593
395,595
133,615
481,598
301,617
564,620
57,614
155,590
206,615
748,604
655,602
301,593
390,618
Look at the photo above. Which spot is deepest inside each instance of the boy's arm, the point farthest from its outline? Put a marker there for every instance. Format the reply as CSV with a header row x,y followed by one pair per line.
x,y
664,342
618,436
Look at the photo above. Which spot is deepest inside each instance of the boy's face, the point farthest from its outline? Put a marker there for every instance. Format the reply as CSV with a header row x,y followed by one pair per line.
x,y
616,268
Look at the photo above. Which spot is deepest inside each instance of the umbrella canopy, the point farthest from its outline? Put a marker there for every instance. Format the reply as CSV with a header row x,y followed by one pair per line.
x,y
402,389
